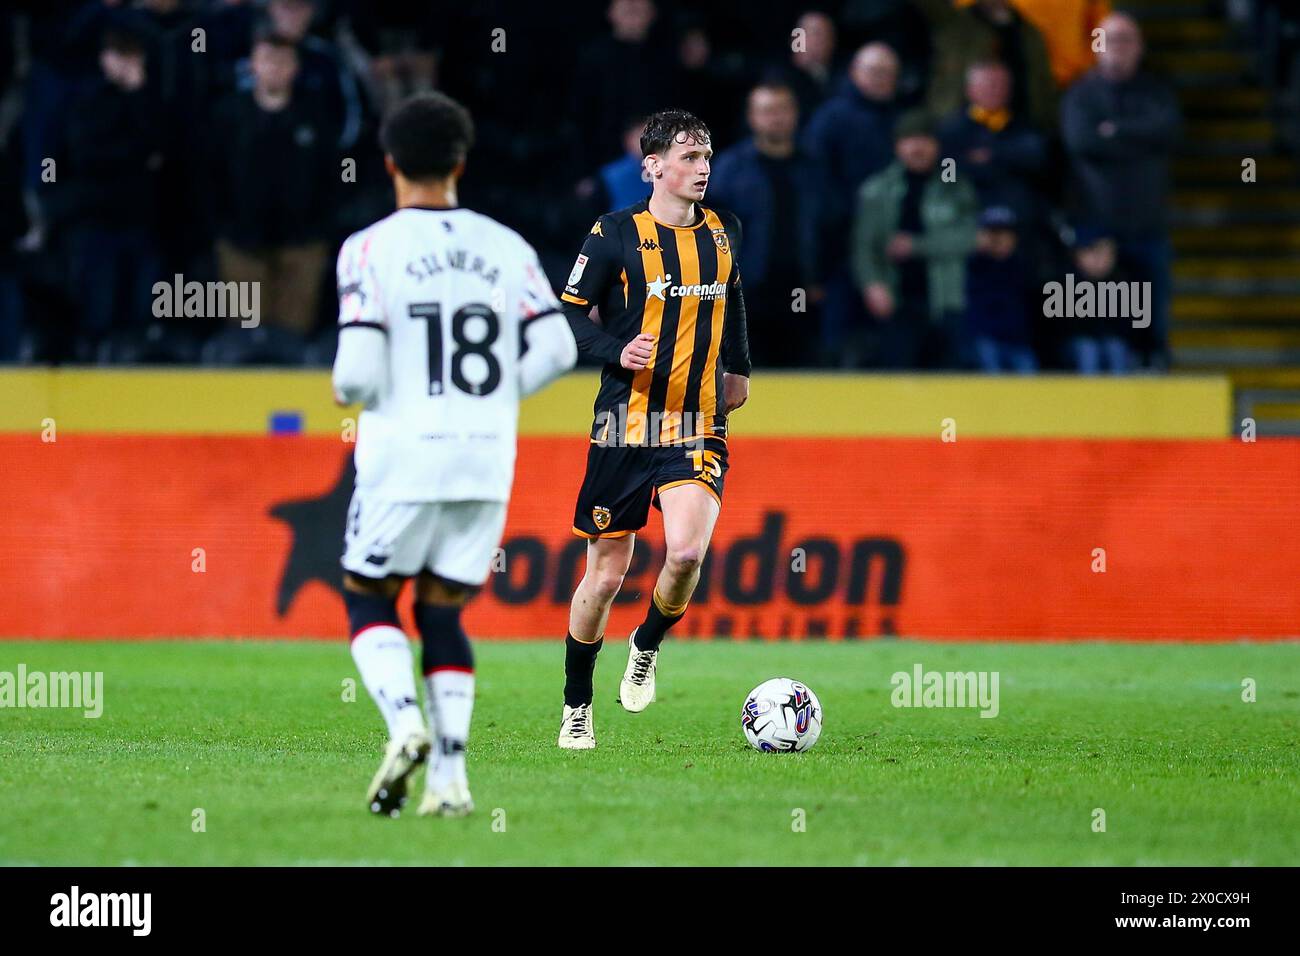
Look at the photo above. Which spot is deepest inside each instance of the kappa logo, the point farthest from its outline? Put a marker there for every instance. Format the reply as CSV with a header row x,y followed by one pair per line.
x,y
720,238
601,517
596,230
649,245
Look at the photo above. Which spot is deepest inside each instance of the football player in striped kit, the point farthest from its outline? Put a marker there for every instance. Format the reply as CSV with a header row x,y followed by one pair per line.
x,y
663,274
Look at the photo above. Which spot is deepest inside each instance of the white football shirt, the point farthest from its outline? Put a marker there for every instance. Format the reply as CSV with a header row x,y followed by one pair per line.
x,y
451,290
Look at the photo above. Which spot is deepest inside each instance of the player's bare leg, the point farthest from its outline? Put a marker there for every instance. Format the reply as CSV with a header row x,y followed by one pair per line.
x,y
607,563
448,666
383,656
690,512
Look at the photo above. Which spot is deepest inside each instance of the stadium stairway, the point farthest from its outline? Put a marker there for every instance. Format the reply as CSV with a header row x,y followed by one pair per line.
x,y
1236,306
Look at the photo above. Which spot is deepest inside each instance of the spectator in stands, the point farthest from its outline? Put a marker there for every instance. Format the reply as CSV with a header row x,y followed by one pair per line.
x,y
109,164
1094,344
977,30
906,30
1067,27
811,68
1120,125
1002,154
401,39
622,74
764,181
848,139
322,72
850,134
180,78
273,185
63,43
997,296
167,26
708,84
623,182
911,237
228,30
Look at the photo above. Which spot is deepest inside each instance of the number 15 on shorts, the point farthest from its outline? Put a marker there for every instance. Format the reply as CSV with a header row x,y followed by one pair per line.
x,y
706,462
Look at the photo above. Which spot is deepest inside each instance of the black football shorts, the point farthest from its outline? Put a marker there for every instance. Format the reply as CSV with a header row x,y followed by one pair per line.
x,y
623,480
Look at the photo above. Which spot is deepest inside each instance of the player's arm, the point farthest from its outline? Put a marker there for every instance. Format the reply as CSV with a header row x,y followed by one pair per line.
x,y
597,268
549,352
735,331
547,343
361,363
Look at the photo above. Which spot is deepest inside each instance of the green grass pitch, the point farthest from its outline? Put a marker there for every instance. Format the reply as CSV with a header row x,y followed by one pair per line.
x,y
258,736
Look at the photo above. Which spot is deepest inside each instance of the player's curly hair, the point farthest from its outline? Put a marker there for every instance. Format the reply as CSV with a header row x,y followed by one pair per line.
x,y
663,128
427,135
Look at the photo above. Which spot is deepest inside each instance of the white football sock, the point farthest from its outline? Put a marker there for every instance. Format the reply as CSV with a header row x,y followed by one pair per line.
x,y
452,695
383,656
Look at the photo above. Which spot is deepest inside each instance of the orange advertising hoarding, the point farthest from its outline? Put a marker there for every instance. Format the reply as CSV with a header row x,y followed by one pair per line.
x,y
838,538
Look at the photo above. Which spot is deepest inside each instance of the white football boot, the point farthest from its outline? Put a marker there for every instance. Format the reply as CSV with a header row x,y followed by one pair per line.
x,y
577,732
452,800
637,690
387,793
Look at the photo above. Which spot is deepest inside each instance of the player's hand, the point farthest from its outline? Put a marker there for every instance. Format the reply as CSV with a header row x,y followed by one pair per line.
x,y
735,391
636,354
879,300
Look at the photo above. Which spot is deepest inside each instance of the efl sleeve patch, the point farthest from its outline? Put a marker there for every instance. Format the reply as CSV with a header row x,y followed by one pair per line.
x,y
578,268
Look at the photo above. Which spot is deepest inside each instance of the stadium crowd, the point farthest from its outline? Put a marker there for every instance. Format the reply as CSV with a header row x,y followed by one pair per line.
x,y
909,173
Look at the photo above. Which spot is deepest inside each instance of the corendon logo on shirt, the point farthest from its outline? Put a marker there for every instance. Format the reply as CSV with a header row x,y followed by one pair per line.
x,y
661,288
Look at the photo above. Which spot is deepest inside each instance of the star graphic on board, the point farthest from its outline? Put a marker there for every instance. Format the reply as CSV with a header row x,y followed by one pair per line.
x,y
656,288
317,526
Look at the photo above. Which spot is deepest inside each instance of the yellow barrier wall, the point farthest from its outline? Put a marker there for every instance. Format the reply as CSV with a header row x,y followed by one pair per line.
x,y
804,404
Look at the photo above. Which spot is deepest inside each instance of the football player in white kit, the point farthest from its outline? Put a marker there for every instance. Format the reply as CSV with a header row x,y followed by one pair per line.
x,y
436,304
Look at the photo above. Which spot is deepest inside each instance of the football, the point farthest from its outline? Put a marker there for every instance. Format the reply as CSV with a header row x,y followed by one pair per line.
x,y
781,715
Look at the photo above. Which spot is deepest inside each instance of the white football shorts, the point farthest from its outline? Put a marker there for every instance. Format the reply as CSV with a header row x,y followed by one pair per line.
x,y
453,539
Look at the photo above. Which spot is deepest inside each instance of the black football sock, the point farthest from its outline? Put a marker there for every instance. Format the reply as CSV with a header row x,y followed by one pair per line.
x,y
446,644
366,610
448,665
579,666
658,619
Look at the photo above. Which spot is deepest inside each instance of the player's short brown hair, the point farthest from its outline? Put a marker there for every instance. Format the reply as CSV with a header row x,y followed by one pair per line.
x,y
663,128
427,136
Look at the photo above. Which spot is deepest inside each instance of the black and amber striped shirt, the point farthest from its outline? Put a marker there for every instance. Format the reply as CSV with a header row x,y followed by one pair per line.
x,y
680,284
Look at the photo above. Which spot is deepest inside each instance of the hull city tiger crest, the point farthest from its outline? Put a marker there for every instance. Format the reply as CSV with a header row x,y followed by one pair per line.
x,y
720,237
601,517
